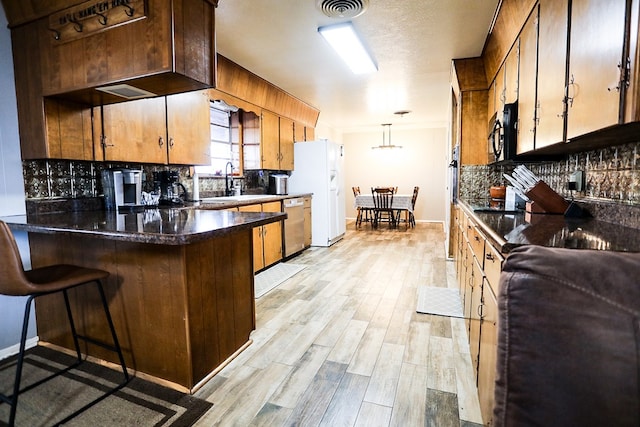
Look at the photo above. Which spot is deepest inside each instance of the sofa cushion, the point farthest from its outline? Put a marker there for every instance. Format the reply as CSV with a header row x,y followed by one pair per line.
x,y
568,329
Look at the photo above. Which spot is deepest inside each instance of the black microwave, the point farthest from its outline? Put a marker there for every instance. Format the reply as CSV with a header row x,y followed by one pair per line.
x,y
503,133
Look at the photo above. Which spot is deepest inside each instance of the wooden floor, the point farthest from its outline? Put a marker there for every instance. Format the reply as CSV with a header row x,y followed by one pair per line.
x,y
340,343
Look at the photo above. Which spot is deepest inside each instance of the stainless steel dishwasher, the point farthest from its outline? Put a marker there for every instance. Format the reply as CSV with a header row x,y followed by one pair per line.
x,y
293,226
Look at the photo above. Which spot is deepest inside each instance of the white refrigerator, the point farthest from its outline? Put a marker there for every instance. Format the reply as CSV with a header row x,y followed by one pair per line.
x,y
318,169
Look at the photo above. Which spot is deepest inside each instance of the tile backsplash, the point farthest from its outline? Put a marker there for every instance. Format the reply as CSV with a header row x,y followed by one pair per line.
x,y
612,181
71,179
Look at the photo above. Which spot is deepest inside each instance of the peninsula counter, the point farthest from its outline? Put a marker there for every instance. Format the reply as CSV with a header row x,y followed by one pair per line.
x,y
180,291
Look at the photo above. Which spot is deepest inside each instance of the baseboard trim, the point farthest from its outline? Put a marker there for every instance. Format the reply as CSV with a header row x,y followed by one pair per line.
x,y
14,349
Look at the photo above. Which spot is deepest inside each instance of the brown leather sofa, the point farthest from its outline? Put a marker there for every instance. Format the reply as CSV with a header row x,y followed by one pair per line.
x,y
568,339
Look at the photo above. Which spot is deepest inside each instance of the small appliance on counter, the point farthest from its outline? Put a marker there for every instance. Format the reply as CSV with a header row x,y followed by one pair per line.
x,y
279,184
167,183
122,189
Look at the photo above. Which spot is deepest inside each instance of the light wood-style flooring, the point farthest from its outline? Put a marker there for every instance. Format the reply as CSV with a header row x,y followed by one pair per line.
x,y
340,343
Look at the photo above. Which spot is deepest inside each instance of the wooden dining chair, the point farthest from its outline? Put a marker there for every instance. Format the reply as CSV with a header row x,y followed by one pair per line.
x,y
414,197
409,218
363,214
383,206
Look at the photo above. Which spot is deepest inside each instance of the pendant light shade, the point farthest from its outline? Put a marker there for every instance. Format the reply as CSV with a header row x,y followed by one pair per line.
x,y
386,138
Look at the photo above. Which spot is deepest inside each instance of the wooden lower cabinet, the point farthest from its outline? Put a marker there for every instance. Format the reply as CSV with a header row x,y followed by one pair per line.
x,y
272,238
478,267
180,311
475,319
307,222
487,352
267,239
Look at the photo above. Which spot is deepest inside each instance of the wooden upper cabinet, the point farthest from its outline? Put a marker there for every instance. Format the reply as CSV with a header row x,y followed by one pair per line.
x,y
286,144
474,128
470,89
309,133
527,84
501,95
170,50
511,74
133,131
552,58
270,140
164,130
491,100
597,40
188,128
276,143
298,132
69,133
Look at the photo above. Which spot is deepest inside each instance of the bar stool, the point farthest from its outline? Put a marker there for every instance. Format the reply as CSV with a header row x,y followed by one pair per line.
x,y
15,281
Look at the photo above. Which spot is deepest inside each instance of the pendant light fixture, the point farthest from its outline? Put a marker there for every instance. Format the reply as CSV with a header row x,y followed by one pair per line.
x,y
386,139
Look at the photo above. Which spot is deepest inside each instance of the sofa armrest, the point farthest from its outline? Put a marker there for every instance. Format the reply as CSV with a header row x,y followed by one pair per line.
x,y
568,338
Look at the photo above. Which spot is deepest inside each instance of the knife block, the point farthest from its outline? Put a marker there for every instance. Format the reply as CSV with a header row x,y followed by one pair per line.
x,y
546,200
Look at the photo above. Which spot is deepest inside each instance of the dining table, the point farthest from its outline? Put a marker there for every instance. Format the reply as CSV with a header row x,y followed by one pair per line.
x,y
400,202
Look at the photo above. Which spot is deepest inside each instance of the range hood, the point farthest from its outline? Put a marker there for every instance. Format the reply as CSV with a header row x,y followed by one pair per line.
x,y
96,53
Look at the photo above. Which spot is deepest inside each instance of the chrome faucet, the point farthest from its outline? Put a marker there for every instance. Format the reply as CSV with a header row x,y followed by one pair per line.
x,y
228,187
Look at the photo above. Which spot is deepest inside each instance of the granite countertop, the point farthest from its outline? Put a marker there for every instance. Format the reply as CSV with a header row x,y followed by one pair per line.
x,y
226,202
156,226
507,230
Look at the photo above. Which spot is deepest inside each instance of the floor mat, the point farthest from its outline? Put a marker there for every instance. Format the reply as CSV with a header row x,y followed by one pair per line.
x,y
273,276
139,403
439,301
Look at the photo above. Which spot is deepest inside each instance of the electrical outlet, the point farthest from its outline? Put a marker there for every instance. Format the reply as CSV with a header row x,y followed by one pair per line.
x,y
576,181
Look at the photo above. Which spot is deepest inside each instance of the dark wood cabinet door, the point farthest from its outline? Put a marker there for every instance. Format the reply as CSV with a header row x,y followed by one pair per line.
x,y
135,131
596,46
286,144
552,60
188,129
270,140
527,84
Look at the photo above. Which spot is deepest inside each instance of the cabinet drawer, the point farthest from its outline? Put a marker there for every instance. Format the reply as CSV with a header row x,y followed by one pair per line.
x,y
493,266
477,240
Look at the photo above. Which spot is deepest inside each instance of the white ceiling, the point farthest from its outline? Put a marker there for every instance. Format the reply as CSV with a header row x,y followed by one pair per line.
x,y
412,41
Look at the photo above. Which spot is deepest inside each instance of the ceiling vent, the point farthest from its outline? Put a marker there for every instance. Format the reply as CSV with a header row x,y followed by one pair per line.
x,y
342,8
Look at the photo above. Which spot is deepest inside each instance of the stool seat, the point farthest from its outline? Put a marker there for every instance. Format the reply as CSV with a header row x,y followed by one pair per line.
x,y
15,281
54,278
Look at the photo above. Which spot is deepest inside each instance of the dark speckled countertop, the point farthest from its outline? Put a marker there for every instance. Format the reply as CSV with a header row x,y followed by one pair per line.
x,y
156,226
507,230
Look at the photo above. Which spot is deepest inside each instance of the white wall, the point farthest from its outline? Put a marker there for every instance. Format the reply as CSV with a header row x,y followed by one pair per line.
x,y
422,161
11,188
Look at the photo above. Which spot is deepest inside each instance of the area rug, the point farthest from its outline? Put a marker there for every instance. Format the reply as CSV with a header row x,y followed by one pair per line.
x,y
139,403
273,276
439,301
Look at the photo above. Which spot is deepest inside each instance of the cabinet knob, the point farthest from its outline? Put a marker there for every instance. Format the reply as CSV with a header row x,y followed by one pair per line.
x,y
490,257
160,141
171,143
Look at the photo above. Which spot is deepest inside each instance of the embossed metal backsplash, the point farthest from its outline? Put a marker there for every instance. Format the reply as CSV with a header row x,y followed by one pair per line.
x,y
612,180
56,179
53,179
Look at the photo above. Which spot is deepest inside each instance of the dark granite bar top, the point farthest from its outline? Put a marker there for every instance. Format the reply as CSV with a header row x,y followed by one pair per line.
x,y
507,230
225,202
156,226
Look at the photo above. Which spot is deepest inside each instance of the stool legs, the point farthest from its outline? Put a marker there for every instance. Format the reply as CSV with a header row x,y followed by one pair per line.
x,y
13,399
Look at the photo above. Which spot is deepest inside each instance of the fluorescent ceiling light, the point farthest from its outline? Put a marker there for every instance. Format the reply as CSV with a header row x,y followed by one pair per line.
x,y
344,40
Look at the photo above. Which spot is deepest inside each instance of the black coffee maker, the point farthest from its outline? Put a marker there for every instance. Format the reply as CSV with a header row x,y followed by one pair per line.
x,y
167,183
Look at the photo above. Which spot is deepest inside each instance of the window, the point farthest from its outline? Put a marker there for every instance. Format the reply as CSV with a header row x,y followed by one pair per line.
x,y
225,143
